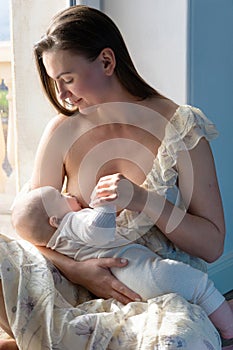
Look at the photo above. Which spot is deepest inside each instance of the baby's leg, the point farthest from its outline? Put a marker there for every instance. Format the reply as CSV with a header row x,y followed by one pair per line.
x,y
150,276
222,318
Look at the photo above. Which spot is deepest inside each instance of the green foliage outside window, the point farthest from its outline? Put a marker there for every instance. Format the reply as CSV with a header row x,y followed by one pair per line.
x,y
3,104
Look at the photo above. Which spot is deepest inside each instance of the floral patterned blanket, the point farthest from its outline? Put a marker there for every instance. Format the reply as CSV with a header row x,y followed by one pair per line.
x,y
45,311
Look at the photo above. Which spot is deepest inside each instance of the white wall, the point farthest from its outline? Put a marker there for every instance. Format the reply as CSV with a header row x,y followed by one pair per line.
x,y
155,33
32,110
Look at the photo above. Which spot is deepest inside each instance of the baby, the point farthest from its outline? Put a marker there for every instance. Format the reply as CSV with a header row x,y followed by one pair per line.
x,y
46,217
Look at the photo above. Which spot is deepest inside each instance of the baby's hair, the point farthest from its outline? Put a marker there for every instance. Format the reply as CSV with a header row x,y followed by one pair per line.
x,y
30,219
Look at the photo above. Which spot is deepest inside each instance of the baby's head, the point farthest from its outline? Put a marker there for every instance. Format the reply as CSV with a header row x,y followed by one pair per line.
x,y
37,214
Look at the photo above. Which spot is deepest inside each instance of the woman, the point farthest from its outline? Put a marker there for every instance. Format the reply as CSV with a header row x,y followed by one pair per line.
x,y
147,153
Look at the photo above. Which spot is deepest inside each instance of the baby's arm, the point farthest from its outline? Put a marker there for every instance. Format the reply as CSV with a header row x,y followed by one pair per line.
x,y
96,226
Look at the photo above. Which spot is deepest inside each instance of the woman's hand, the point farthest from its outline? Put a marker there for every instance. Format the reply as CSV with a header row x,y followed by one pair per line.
x,y
94,274
120,191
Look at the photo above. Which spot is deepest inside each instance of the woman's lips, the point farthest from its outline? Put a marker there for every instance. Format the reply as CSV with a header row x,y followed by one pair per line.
x,y
74,102
77,102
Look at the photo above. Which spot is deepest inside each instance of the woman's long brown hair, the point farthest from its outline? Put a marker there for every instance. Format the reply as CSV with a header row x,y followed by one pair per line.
x,y
87,31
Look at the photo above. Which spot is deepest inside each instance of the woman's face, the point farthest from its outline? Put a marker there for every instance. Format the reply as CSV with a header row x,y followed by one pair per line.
x,y
80,81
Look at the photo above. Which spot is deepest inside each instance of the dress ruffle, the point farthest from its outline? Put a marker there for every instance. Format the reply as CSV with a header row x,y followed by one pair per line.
x,y
183,132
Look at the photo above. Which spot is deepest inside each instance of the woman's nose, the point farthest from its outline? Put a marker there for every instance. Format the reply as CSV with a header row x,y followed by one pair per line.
x,y
63,92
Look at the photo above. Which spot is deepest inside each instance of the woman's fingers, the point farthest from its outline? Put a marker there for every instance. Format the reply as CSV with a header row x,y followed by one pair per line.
x,y
105,190
103,200
121,298
108,183
123,294
121,191
101,282
113,187
110,178
119,291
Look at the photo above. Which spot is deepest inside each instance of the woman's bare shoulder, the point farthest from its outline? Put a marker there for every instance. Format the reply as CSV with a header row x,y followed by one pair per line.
x,y
164,106
55,122
59,125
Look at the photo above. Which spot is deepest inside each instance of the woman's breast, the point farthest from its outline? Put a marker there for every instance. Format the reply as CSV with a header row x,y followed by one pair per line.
x,y
82,178
90,158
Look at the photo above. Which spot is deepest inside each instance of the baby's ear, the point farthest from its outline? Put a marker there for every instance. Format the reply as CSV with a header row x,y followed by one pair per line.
x,y
54,221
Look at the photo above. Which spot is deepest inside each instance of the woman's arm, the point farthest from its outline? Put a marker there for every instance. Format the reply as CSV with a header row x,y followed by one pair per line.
x,y
48,169
201,230
93,274
48,166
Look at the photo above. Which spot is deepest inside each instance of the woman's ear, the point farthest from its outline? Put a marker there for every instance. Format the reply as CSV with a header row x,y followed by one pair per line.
x,y
108,60
54,221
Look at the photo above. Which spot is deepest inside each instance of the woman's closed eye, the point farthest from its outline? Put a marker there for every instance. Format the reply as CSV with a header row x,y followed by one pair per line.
x,y
68,81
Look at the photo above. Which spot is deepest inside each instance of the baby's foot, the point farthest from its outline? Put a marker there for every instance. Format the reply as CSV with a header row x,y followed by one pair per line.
x,y
227,333
230,302
8,344
227,344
